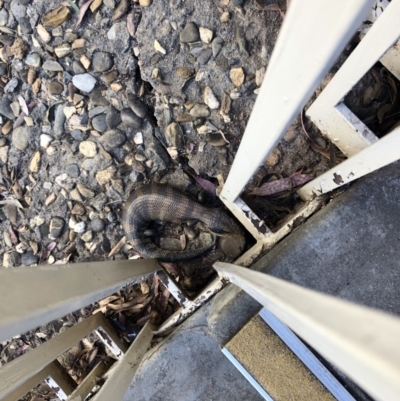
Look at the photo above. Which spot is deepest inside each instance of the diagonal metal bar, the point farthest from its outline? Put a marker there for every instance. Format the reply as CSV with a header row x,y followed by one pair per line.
x,y
20,370
375,156
300,60
116,385
362,342
43,293
331,116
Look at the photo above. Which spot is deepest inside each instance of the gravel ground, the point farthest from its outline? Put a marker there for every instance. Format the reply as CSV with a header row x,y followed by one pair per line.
x,y
133,92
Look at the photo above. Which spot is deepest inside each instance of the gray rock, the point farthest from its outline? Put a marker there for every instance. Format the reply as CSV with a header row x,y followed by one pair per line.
x,y
78,68
51,65
102,61
98,225
97,98
137,106
3,142
216,46
130,119
109,77
3,17
25,26
96,111
3,69
18,9
99,123
33,60
5,109
56,227
59,120
21,137
78,135
110,4
113,138
204,56
113,118
29,258
11,85
190,33
72,170
99,201
84,82
55,88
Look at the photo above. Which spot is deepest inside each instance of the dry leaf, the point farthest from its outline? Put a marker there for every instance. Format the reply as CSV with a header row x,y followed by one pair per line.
x,y
130,24
120,10
14,238
183,241
23,105
284,184
82,13
117,247
383,111
107,300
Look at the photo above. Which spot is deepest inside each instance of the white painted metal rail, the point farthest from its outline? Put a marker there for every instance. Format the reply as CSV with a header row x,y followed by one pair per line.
x,y
362,342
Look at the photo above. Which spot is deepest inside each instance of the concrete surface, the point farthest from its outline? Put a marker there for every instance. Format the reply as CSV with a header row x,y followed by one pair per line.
x,y
190,367
349,249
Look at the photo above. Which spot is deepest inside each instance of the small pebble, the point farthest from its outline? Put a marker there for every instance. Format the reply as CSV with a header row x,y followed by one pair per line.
x,y
113,138
33,60
98,225
130,119
5,109
51,65
78,135
137,106
78,67
45,140
209,99
56,227
190,33
11,85
84,82
99,123
55,88
102,61
113,118
25,26
72,170
85,191
21,137
96,111
88,148
18,9
206,35
80,227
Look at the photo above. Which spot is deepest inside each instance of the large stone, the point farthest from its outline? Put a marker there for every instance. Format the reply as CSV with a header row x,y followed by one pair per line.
x,y
130,119
137,105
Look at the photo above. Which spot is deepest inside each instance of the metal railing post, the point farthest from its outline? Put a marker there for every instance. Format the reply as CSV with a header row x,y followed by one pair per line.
x,y
48,292
362,342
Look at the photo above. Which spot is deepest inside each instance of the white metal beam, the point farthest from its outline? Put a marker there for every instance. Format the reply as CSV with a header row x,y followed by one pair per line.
x,y
20,370
362,342
313,35
116,385
380,154
43,293
331,116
